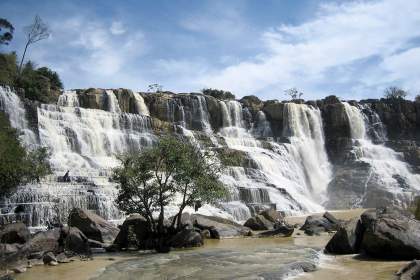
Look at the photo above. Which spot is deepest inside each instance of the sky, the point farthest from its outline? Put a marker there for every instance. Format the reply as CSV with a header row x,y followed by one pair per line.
x,y
352,49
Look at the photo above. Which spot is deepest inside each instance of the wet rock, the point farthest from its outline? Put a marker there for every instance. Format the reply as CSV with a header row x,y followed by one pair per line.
x,y
14,233
410,271
391,233
280,230
49,258
185,239
315,225
347,239
13,253
219,227
46,241
19,269
76,242
272,215
259,222
62,258
93,226
205,234
134,227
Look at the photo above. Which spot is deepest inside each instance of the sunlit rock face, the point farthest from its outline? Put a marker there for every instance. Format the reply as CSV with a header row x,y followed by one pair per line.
x,y
293,156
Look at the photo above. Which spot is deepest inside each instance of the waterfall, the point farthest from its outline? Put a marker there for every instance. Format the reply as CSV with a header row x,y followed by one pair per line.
x,y
140,105
113,105
15,110
68,99
388,172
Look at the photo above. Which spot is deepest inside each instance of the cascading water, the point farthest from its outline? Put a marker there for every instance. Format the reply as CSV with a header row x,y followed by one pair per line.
x,y
388,175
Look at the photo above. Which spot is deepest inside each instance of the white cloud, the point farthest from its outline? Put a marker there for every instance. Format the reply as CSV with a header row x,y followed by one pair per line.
x,y
339,36
117,28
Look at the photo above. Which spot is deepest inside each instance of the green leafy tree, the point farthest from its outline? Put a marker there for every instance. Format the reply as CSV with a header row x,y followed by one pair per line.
x,y
218,93
17,165
6,31
8,68
395,93
150,180
417,99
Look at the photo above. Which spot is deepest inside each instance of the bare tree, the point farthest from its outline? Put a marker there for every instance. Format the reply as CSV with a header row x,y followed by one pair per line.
x,y
294,93
395,93
35,32
154,88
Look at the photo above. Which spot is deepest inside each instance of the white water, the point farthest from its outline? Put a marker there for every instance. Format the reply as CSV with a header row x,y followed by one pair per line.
x,y
386,164
140,105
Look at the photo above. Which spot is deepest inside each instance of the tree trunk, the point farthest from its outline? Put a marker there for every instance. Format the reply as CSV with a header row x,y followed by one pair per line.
x,y
23,58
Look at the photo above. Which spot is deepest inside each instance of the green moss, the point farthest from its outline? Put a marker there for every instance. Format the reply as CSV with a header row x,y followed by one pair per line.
x,y
230,157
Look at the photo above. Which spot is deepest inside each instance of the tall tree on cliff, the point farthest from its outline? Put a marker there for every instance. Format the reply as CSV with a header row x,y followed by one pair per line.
x,y
173,171
35,32
6,31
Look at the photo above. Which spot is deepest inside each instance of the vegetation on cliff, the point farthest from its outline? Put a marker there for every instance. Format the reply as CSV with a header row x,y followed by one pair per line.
x,y
18,166
40,84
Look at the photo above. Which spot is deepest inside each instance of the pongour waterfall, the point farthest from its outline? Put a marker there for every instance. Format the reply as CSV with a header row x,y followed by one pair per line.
x,y
388,172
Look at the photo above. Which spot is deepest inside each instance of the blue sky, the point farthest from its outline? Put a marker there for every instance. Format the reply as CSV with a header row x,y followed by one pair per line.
x,y
353,49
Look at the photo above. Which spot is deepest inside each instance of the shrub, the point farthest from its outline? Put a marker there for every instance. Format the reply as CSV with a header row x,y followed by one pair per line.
x,y
218,93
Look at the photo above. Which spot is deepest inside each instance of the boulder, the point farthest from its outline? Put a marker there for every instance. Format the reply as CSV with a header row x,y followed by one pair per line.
x,y
13,253
347,239
76,242
185,239
46,241
49,258
272,215
219,227
93,226
317,224
134,227
410,271
391,233
14,233
259,222
280,230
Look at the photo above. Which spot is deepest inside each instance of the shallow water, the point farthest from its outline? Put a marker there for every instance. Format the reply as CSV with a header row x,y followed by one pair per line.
x,y
241,258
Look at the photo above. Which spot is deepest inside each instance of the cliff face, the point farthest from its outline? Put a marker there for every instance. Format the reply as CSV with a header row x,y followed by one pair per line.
x,y
289,155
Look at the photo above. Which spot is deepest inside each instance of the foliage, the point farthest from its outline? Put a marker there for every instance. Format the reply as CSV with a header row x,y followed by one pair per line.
x,y
35,32
41,84
150,180
230,157
395,93
18,166
294,93
218,93
8,69
417,99
6,31
154,88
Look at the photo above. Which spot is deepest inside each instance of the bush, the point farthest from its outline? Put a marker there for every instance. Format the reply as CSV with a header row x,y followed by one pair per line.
x,y
417,99
219,94
8,69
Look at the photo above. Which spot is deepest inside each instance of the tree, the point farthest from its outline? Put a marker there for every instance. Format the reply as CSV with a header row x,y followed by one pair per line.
x,y
35,32
6,31
395,93
294,93
218,93
151,179
17,165
417,99
154,88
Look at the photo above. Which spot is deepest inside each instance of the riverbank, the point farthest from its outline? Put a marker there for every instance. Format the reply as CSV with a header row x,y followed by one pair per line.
x,y
238,258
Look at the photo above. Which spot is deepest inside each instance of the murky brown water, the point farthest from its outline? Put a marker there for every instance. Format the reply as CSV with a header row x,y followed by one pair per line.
x,y
242,258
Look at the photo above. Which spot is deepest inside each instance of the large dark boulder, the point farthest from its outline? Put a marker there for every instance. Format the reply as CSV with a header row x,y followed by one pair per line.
x,y
259,222
185,239
93,226
317,224
219,227
410,271
11,254
14,233
46,241
135,226
76,242
347,239
391,233
280,230
272,215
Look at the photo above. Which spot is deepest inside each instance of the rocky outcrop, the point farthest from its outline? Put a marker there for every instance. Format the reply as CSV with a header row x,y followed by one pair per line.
x,y
134,231
259,222
46,241
76,242
219,227
93,226
316,224
14,233
347,239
